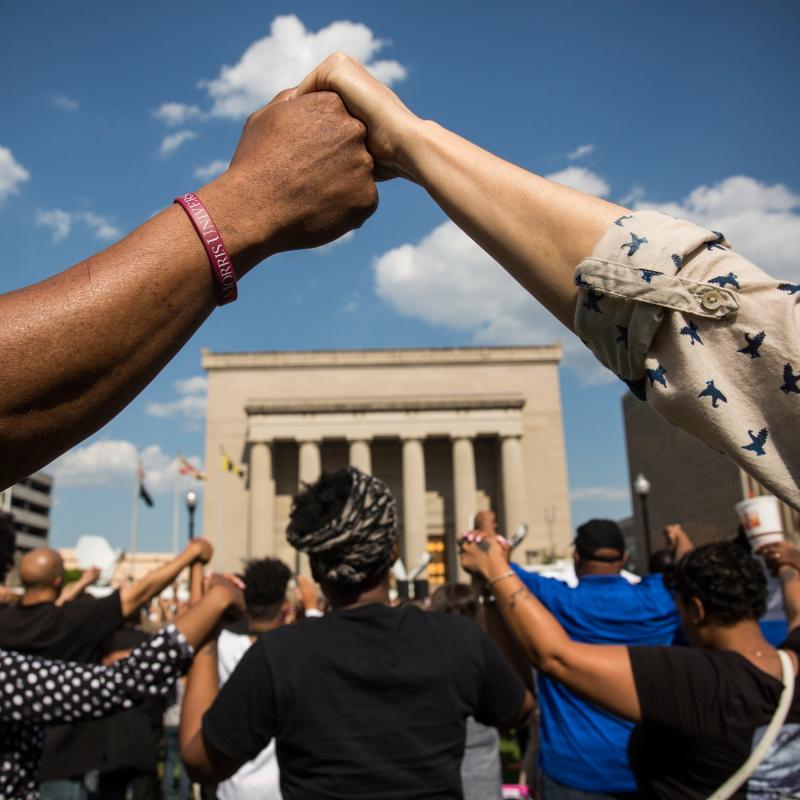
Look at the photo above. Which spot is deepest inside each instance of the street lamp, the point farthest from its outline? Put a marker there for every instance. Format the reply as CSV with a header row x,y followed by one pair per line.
x,y
642,488
191,505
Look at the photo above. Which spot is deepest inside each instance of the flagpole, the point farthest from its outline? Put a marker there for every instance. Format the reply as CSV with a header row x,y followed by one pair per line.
x,y
134,524
176,515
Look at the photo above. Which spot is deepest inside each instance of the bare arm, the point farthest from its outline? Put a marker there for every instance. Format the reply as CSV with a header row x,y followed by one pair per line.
x,y
600,673
135,595
784,560
678,542
76,588
78,347
538,230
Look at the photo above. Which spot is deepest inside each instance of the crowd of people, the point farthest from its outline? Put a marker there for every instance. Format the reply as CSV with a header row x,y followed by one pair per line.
x,y
666,688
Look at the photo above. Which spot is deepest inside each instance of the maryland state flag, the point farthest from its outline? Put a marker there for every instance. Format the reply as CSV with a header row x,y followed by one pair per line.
x,y
187,468
229,465
143,493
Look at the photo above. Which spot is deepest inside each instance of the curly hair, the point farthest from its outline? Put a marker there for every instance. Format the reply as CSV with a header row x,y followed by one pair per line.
x,y
323,501
265,582
8,539
725,577
347,523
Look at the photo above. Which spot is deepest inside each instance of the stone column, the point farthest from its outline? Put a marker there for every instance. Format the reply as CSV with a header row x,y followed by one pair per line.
x,y
465,490
309,468
262,501
309,462
415,518
361,455
513,472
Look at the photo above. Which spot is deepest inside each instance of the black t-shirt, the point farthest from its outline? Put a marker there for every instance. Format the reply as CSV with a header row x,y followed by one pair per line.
x,y
365,703
703,712
73,632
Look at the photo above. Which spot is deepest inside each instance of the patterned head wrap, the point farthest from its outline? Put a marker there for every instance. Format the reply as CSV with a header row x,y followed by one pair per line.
x,y
358,543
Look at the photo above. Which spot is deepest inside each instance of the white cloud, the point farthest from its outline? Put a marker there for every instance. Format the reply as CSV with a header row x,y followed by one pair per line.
x,y
61,222
174,140
191,401
12,174
447,280
114,463
580,152
609,493
211,170
760,220
582,179
174,114
326,248
65,103
283,57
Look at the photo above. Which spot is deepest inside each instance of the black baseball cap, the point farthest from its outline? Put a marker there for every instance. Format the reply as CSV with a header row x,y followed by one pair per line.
x,y
599,534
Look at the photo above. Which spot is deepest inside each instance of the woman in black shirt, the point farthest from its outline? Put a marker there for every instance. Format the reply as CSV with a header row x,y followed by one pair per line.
x,y
699,711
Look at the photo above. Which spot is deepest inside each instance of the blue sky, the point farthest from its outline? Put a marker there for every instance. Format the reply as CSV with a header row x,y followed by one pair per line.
x,y
686,106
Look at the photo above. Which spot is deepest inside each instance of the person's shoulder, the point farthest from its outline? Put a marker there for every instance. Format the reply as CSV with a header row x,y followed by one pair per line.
x,y
455,626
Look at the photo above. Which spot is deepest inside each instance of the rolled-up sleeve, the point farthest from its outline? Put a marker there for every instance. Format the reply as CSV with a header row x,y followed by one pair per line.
x,y
707,338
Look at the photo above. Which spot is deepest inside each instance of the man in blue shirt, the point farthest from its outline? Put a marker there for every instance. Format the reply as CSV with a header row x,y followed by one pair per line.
x,y
584,751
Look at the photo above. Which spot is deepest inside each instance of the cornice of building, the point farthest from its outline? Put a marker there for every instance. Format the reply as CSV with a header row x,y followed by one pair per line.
x,y
357,405
534,354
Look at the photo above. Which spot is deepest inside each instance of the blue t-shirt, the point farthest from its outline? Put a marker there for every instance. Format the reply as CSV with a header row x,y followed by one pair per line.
x,y
581,745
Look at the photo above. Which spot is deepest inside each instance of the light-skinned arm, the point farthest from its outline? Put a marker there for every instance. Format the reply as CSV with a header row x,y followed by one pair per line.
x,y
538,230
77,588
78,347
783,558
133,596
599,673
678,542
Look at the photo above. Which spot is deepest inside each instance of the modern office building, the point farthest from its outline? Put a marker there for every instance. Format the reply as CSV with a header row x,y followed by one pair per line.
x,y
689,482
451,431
30,502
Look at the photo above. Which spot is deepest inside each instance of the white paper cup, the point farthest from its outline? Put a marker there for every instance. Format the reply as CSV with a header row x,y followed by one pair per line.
x,y
761,520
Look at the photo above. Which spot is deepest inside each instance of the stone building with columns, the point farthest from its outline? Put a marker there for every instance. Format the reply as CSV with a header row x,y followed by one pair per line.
x,y
452,431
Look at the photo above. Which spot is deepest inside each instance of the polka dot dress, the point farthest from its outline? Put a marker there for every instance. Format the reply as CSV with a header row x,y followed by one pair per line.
x,y
35,692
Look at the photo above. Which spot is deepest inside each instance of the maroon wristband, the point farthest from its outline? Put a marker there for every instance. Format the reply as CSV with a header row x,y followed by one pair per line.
x,y
224,275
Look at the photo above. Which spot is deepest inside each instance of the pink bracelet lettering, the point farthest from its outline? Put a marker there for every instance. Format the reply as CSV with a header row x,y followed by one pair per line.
x,y
224,275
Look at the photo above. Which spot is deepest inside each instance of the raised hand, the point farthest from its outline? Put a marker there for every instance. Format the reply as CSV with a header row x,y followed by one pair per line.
x,y
201,549
301,174
388,121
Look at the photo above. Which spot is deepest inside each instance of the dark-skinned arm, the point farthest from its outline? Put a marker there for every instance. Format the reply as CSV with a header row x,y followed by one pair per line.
x,y
599,673
78,347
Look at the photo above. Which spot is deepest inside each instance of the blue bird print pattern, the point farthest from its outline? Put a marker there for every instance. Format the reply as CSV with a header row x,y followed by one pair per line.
x,y
623,336
620,220
634,244
754,342
593,299
717,243
714,394
692,331
790,380
757,442
726,280
638,388
790,288
656,376
649,274
579,281
677,261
